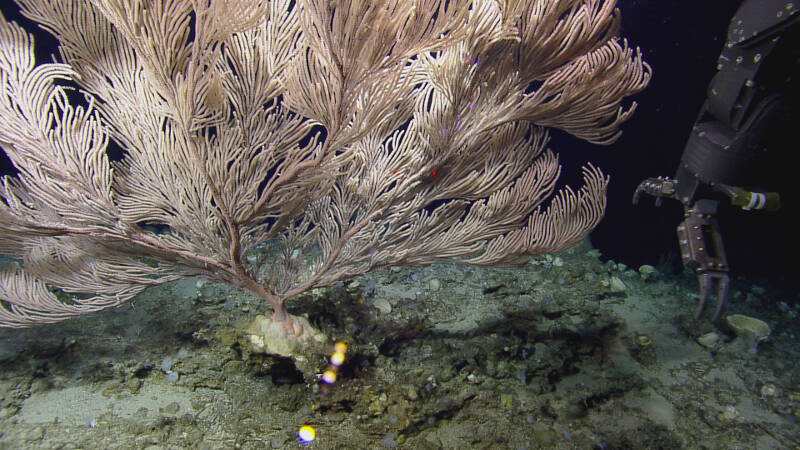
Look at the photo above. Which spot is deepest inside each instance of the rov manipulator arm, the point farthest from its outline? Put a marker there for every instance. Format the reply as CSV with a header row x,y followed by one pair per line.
x,y
757,70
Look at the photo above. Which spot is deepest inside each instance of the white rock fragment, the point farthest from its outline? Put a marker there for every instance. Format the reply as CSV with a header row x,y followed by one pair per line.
x,y
708,340
382,305
616,285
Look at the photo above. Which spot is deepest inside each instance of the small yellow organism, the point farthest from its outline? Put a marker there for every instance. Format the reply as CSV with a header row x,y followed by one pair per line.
x,y
337,359
307,434
329,377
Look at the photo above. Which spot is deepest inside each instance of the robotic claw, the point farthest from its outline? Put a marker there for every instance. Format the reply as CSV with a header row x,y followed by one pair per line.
x,y
753,87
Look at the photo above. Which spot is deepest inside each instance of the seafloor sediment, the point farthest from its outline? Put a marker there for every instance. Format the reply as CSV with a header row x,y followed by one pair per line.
x,y
565,352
